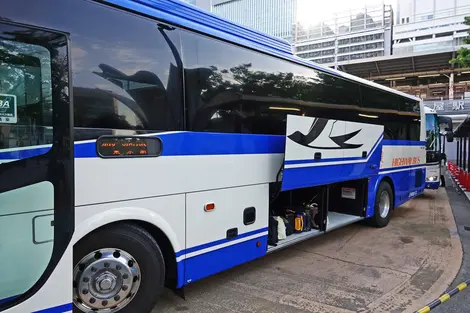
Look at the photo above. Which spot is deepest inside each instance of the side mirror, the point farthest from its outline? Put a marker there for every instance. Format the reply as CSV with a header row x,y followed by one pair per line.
x,y
450,137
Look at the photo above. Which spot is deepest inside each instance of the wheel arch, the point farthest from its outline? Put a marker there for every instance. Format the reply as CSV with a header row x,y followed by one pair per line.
x,y
153,223
389,180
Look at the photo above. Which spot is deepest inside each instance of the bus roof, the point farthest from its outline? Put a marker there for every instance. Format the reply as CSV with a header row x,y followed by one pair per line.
x,y
190,17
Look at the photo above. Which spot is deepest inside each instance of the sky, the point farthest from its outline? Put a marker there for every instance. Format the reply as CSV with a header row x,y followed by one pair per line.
x,y
313,11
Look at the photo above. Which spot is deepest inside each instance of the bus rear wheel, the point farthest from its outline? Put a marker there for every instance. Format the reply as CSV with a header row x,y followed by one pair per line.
x,y
383,205
119,268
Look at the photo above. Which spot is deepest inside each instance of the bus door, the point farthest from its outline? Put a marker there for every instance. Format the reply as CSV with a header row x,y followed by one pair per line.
x,y
36,171
321,151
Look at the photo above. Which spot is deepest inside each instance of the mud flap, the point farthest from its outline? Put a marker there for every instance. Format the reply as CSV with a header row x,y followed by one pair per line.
x,y
321,151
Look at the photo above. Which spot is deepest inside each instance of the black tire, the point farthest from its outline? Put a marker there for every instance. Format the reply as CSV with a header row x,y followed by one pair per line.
x,y
143,248
377,220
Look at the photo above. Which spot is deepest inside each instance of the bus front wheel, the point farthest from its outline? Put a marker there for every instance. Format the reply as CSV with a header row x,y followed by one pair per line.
x,y
383,205
118,268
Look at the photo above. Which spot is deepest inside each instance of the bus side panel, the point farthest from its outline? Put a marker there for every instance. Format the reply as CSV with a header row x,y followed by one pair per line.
x,y
399,179
403,162
190,162
234,232
57,289
320,151
165,213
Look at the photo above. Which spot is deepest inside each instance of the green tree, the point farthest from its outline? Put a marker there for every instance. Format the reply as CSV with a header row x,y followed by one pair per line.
x,y
463,54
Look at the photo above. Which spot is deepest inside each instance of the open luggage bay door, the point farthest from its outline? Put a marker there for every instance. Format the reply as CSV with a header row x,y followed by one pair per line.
x,y
321,151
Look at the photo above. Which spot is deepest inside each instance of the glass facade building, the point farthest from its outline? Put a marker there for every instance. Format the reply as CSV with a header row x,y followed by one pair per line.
x,y
274,17
346,36
424,26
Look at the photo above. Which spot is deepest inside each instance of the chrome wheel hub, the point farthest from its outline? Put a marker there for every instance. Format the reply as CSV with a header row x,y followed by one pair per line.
x,y
384,204
105,281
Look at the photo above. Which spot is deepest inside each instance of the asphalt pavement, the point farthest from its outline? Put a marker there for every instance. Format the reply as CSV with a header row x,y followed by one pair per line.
x,y
460,205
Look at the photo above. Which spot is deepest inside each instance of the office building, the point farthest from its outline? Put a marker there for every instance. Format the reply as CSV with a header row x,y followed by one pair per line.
x,y
274,17
346,36
426,35
429,25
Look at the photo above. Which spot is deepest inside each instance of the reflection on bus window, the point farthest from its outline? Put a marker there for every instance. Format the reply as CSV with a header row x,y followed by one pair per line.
x,y
432,133
127,82
26,213
25,84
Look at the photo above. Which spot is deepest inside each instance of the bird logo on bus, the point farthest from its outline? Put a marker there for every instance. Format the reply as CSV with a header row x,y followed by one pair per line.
x,y
319,126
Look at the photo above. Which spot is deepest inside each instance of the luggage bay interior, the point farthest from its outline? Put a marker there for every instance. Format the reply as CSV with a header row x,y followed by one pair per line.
x,y
301,214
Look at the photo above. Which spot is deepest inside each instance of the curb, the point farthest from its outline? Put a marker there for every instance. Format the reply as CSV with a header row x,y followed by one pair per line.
x,y
457,185
445,297
444,282
450,268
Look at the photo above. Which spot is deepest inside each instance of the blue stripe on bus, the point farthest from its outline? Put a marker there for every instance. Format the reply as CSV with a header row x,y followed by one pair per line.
x,y
183,144
219,242
211,262
23,154
389,142
196,143
222,241
377,143
216,261
57,309
181,269
2,301
404,184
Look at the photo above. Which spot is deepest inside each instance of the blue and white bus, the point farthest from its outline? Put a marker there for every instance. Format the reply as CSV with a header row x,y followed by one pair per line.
x,y
437,127
147,143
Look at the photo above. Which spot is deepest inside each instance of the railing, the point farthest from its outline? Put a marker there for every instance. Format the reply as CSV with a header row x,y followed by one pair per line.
x,y
441,14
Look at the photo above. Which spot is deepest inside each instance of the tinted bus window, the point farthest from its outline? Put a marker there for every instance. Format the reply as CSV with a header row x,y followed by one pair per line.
x,y
25,95
407,105
399,115
378,100
123,80
414,130
233,89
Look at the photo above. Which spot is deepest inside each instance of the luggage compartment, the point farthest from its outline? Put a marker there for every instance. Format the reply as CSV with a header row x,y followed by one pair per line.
x,y
325,207
324,181
347,203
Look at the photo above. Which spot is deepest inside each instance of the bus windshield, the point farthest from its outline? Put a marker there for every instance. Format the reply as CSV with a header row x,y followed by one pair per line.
x,y
432,133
